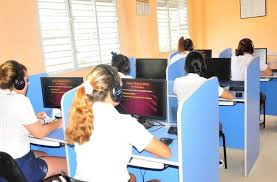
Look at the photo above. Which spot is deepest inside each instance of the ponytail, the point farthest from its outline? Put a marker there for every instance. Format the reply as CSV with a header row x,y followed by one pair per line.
x,y
81,118
94,89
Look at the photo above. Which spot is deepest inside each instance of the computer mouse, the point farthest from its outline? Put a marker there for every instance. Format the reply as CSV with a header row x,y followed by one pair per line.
x,y
166,141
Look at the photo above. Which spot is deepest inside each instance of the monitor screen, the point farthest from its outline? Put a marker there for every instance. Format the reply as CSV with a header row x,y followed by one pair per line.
x,y
53,89
151,68
207,53
262,53
144,98
219,67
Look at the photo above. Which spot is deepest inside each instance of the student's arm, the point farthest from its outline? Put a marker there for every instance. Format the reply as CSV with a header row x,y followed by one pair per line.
x,y
266,72
39,131
157,148
227,95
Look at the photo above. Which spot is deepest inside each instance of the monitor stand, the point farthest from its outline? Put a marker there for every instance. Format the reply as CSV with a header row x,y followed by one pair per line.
x,y
146,123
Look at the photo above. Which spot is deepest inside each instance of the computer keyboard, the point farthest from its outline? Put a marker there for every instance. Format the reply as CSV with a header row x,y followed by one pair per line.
x,y
172,130
236,88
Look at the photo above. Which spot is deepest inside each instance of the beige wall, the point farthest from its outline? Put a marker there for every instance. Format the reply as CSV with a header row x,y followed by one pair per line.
x,y
213,24
223,27
19,34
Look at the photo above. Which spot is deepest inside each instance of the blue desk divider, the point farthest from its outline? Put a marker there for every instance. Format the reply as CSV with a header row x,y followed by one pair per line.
x,y
198,141
66,102
252,129
133,67
173,70
226,53
35,95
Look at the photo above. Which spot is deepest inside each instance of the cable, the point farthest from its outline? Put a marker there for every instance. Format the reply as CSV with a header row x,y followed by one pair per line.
x,y
142,174
157,128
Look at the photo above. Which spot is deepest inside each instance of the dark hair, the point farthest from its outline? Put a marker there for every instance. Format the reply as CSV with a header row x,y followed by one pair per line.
x,y
185,45
195,63
245,46
9,72
121,63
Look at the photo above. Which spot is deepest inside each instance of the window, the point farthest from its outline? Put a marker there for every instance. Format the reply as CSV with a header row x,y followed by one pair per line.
x,y
77,33
172,23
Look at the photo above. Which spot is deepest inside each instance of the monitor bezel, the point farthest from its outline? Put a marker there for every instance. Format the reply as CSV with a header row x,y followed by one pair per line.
x,y
151,59
42,89
220,60
164,108
210,51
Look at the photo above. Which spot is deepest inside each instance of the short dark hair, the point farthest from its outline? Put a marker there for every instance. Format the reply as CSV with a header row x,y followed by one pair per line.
x,y
121,63
245,46
185,45
195,63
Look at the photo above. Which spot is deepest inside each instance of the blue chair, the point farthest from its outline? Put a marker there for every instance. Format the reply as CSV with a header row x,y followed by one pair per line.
x,y
173,54
66,103
226,53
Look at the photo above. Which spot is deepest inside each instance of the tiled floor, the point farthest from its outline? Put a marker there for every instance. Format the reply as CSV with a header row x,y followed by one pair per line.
x,y
265,169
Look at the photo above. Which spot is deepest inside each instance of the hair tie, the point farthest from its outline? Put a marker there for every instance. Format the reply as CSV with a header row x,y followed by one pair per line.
x,y
113,54
88,87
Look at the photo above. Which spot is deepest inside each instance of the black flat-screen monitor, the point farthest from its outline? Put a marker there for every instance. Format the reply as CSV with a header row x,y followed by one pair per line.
x,y
151,68
207,53
262,53
53,89
219,67
144,98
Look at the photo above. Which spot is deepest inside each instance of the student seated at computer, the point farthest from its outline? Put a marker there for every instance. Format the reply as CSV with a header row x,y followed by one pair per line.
x,y
122,64
102,136
186,85
18,120
184,47
244,55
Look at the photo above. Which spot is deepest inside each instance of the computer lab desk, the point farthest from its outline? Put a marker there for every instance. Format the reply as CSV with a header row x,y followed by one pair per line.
x,y
54,143
268,86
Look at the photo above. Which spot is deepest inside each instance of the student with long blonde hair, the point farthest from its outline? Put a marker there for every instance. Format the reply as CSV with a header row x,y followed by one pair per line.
x,y
102,136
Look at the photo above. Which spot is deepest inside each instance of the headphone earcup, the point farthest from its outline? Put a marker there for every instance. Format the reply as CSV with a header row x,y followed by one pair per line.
x,y
116,93
19,83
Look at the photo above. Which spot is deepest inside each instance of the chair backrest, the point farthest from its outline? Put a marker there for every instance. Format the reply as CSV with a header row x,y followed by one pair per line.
x,y
226,53
66,103
173,71
173,54
9,169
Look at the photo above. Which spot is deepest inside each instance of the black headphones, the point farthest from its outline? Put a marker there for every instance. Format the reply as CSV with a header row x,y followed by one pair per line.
x,y
116,89
19,82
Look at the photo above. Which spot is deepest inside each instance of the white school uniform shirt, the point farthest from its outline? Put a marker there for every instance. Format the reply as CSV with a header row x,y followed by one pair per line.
x,y
239,65
178,56
104,158
185,86
124,76
15,111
